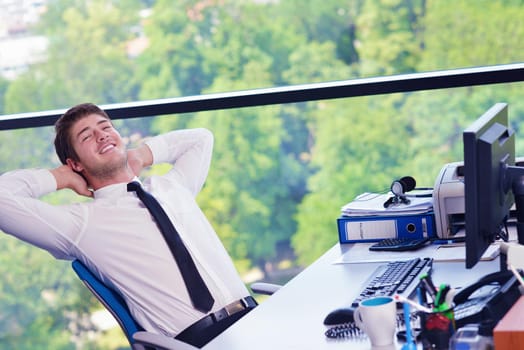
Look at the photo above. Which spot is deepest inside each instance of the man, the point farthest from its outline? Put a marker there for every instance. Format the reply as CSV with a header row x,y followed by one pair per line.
x,y
115,235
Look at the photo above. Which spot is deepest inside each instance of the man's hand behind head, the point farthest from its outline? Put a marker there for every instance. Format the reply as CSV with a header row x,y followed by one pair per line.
x,y
139,158
67,178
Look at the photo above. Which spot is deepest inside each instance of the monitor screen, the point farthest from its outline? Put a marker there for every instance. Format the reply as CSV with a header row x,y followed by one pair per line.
x,y
489,149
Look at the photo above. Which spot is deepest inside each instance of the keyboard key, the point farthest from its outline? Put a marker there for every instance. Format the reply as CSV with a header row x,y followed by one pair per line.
x,y
399,244
395,277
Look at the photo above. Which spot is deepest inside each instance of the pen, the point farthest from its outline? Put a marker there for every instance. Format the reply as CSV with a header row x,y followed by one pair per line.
x,y
441,294
410,344
448,299
428,284
421,295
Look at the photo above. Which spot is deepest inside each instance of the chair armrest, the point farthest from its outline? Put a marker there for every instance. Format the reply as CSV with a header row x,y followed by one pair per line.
x,y
264,288
158,342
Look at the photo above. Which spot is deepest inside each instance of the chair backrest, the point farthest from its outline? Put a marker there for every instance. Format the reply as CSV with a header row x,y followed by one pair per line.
x,y
112,301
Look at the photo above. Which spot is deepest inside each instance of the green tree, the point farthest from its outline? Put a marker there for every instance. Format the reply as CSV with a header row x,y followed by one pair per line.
x,y
489,32
471,33
388,36
38,308
87,58
173,63
3,87
327,21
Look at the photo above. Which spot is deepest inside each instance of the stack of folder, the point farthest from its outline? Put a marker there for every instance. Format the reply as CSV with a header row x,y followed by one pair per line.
x,y
366,219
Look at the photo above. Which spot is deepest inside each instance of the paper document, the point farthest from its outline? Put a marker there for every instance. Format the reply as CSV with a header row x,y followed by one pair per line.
x,y
369,203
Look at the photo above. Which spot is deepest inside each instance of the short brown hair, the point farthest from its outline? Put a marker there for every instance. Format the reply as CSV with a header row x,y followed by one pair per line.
x,y
63,146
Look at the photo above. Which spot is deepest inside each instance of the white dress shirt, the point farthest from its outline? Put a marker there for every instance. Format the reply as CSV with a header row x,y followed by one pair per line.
x,y
116,237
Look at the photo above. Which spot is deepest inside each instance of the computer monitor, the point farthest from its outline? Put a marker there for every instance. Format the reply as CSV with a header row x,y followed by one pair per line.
x,y
492,182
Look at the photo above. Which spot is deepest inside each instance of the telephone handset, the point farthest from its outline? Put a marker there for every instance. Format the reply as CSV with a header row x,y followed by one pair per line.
x,y
487,300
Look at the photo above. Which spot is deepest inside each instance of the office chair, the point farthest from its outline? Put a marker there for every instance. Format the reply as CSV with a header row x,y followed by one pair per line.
x,y
135,334
115,304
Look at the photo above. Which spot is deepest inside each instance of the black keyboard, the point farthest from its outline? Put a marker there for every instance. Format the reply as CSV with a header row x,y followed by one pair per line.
x,y
399,244
395,277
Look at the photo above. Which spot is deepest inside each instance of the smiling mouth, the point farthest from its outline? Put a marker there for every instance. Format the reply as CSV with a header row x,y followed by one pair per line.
x,y
106,148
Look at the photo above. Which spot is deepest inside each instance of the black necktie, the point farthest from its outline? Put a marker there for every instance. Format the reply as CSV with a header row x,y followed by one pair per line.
x,y
200,296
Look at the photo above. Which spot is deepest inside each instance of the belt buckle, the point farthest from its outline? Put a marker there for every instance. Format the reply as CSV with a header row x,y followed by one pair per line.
x,y
235,307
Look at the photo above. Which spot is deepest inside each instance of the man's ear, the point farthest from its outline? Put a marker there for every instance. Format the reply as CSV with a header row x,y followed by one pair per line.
x,y
76,166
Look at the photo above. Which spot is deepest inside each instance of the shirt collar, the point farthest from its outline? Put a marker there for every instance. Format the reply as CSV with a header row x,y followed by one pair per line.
x,y
113,191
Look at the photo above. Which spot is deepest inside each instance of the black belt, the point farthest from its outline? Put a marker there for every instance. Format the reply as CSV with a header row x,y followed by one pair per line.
x,y
217,316
231,309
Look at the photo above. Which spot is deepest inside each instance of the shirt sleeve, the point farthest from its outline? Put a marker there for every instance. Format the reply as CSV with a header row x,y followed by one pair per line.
x,y
25,216
189,151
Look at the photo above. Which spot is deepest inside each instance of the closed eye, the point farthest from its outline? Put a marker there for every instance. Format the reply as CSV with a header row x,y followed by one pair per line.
x,y
86,137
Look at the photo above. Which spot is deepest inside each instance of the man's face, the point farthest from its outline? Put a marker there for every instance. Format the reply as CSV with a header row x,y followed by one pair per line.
x,y
98,145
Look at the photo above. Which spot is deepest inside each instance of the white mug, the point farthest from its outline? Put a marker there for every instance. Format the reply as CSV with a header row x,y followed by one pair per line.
x,y
377,317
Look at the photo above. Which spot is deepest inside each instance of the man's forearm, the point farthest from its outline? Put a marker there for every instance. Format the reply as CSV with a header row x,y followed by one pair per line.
x,y
189,151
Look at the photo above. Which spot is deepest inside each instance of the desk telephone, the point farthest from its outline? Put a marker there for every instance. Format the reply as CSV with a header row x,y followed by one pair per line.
x,y
487,300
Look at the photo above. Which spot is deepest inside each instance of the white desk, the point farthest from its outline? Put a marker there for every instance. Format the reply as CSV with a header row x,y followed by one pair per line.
x,y
293,317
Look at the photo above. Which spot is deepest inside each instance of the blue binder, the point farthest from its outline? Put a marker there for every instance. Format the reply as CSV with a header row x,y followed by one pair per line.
x,y
374,228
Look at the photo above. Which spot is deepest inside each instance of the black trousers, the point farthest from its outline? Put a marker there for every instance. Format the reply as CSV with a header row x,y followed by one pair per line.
x,y
202,337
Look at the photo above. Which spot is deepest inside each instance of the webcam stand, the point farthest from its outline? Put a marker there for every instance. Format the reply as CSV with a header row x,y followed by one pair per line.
x,y
396,199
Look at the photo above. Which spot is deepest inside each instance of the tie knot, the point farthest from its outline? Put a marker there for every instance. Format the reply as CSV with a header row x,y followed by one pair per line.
x,y
133,186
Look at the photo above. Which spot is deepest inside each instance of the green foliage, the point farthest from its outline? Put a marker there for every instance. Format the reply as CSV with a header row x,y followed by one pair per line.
x,y
173,64
35,306
247,179
331,21
38,152
471,33
87,58
388,35
3,87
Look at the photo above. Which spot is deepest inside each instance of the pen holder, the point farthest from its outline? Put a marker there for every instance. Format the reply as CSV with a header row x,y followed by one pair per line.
x,y
437,328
